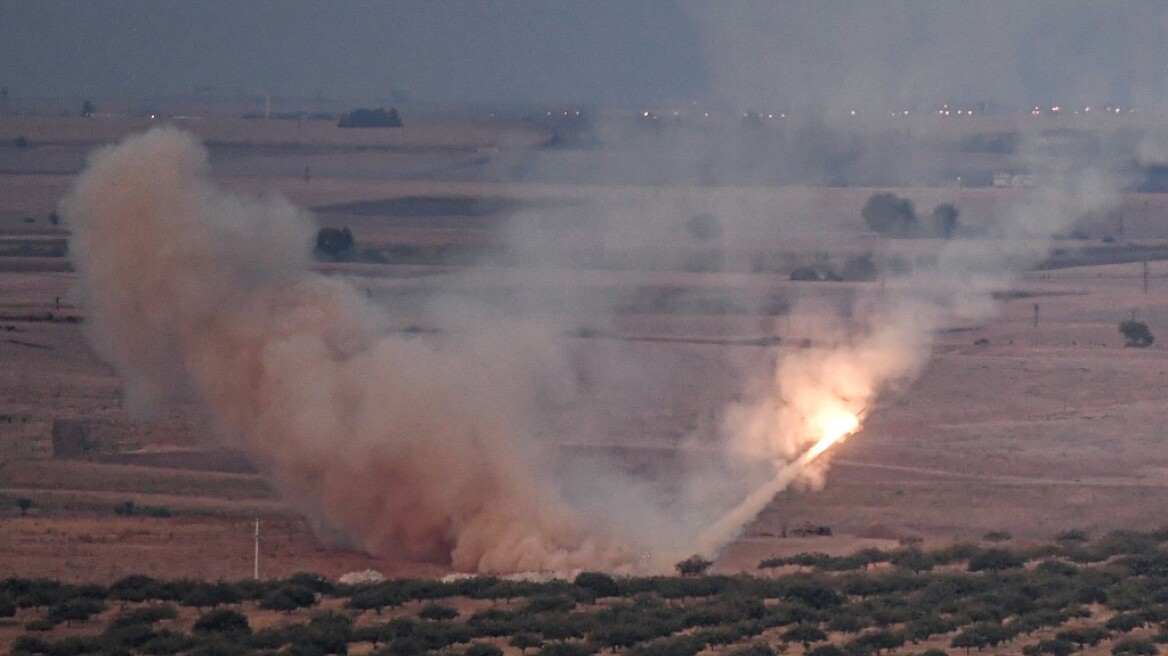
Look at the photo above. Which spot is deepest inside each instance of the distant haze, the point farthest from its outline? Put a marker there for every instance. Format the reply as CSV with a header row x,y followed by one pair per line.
x,y
781,55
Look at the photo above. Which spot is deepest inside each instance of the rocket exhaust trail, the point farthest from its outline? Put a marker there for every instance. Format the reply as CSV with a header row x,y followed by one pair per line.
x,y
722,531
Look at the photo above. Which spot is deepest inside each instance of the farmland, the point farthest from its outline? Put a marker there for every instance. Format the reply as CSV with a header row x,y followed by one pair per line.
x,y
1031,420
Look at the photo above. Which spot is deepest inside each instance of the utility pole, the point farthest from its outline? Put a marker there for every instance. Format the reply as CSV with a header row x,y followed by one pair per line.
x,y
1145,277
256,566
1036,315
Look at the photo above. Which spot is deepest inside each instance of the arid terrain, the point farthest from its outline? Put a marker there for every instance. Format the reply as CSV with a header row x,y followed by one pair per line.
x,y
1033,421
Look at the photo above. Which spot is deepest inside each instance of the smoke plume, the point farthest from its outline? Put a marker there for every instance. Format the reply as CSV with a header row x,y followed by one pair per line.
x,y
406,447
432,447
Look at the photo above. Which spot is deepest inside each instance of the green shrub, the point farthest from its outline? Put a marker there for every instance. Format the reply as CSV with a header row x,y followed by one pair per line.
x,y
223,621
1056,647
995,560
75,610
1135,647
525,640
166,642
288,598
482,649
693,566
755,649
566,649
315,582
598,583
1124,622
804,634
1136,333
437,612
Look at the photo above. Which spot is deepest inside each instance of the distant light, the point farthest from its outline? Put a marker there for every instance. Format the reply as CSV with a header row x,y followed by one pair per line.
x,y
781,115
707,115
1055,108
1086,109
152,116
853,112
646,114
770,115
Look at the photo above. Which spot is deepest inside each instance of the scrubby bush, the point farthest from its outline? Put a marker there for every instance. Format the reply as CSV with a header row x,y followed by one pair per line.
x,y
222,621
145,615
437,612
805,274
1056,647
1084,636
135,587
288,598
600,584
892,216
209,595
1135,647
566,649
1124,622
888,214
371,118
482,649
804,634
1136,333
166,642
995,559
525,640
335,244
943,221
75,610
557,603
693,566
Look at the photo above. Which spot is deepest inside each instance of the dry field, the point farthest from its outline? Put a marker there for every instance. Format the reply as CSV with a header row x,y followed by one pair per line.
x,y
1041,427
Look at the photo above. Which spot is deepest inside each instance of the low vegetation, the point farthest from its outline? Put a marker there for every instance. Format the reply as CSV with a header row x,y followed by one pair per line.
x,y
1136,333
1108,595
893,216
371,118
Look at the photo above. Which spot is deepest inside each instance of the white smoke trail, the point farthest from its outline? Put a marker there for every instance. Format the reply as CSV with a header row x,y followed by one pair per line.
x,y
816,393
404,447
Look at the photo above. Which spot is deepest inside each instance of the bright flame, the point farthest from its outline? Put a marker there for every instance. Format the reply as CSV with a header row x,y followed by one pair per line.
x,y
833,427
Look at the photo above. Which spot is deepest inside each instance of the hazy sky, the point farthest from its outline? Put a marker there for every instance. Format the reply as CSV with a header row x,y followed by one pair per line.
x,y
767,53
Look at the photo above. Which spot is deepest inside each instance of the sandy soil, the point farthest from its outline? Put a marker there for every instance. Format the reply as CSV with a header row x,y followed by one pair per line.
x,y
1045,426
